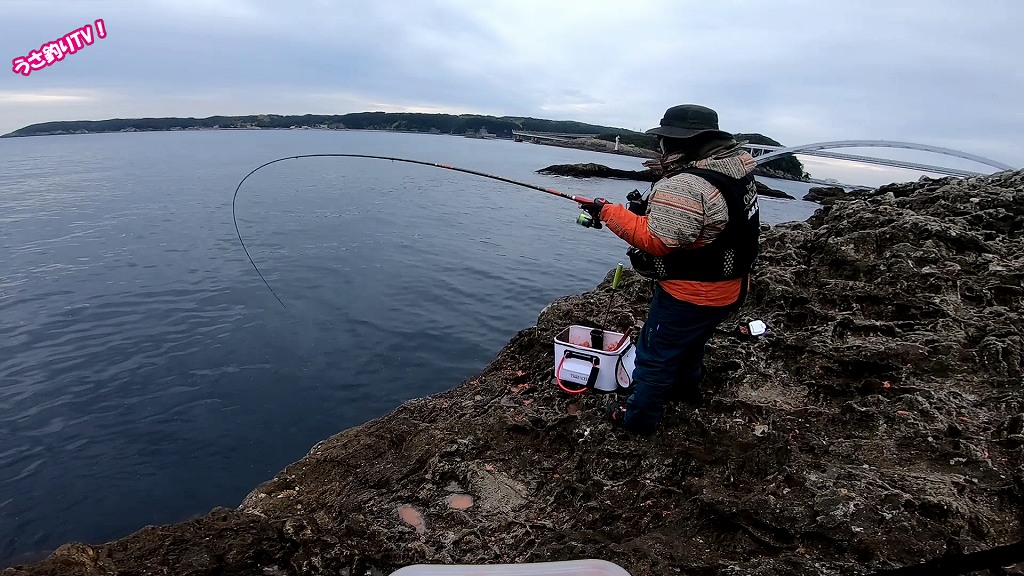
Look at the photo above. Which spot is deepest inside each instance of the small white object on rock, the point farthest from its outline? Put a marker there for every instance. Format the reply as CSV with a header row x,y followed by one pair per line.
x,y
757,328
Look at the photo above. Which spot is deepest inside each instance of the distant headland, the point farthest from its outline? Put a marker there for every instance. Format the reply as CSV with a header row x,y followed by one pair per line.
x,y
470,125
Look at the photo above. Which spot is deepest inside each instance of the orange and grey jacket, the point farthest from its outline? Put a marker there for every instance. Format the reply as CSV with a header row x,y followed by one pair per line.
x,y
685,212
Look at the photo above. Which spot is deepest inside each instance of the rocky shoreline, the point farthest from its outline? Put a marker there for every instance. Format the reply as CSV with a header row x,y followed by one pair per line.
x,y
879,424
597,145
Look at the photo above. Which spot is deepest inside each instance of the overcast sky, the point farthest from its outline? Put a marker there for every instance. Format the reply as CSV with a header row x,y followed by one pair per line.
x,y
940,72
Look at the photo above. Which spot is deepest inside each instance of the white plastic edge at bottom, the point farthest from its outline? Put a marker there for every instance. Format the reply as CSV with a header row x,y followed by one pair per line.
x,y
589,567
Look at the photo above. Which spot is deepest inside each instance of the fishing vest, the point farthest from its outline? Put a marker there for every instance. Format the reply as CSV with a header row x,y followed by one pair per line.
x,y
730,256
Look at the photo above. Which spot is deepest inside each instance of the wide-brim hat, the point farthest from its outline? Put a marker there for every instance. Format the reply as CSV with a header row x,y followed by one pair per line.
x,y
687,120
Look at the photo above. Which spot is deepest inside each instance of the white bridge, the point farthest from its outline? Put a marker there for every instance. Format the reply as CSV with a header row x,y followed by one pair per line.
x,y
763,153
767,153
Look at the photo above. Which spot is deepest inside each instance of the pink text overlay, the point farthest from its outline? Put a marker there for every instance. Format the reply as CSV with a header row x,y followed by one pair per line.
x,y
55,50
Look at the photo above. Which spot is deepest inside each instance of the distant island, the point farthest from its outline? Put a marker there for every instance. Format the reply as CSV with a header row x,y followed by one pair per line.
x,y
470,125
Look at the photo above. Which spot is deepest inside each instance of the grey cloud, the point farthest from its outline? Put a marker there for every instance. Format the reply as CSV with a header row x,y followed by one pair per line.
x,y
939,72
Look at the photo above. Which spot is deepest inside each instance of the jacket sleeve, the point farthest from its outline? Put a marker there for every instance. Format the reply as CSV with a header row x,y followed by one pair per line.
x,y
633,229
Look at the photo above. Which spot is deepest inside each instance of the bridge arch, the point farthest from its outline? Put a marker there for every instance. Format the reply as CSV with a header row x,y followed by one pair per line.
x,y
879,144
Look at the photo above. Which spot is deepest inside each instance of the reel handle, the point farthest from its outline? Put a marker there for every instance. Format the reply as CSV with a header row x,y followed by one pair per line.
x,y
588,221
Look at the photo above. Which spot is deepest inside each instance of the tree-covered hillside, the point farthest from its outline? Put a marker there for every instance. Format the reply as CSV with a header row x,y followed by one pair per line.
x,y
408,122
789,165
395,121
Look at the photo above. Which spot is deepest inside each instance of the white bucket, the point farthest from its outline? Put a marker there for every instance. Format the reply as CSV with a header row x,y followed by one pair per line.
x,y
580,367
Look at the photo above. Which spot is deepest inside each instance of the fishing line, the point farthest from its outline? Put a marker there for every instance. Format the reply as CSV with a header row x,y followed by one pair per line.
x,y
580,199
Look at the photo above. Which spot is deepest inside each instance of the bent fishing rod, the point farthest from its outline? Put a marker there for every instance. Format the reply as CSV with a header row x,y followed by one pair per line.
x,y
583,220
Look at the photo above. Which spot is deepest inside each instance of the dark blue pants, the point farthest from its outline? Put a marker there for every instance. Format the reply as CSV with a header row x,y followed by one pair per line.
x,y
669,356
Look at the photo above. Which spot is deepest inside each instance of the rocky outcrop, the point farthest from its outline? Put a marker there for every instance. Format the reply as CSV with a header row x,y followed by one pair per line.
x,y
824,193
831,194
778,174
880,423
592,170
765,190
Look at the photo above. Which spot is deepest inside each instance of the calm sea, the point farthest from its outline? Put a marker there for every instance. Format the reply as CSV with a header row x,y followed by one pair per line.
x,y
146,372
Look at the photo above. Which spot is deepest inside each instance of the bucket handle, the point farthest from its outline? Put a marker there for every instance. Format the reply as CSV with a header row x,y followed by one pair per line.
x,y
618,364
591,380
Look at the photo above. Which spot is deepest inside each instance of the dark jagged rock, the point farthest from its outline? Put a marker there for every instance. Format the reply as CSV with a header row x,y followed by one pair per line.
x,y
591,170
879,424
820,193
765,190
924,184
767,172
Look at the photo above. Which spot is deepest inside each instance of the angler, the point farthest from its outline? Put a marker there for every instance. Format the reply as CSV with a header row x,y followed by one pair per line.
x,y
697,236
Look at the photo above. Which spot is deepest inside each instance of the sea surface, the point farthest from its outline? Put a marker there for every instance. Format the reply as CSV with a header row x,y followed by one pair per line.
x,y
148,375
